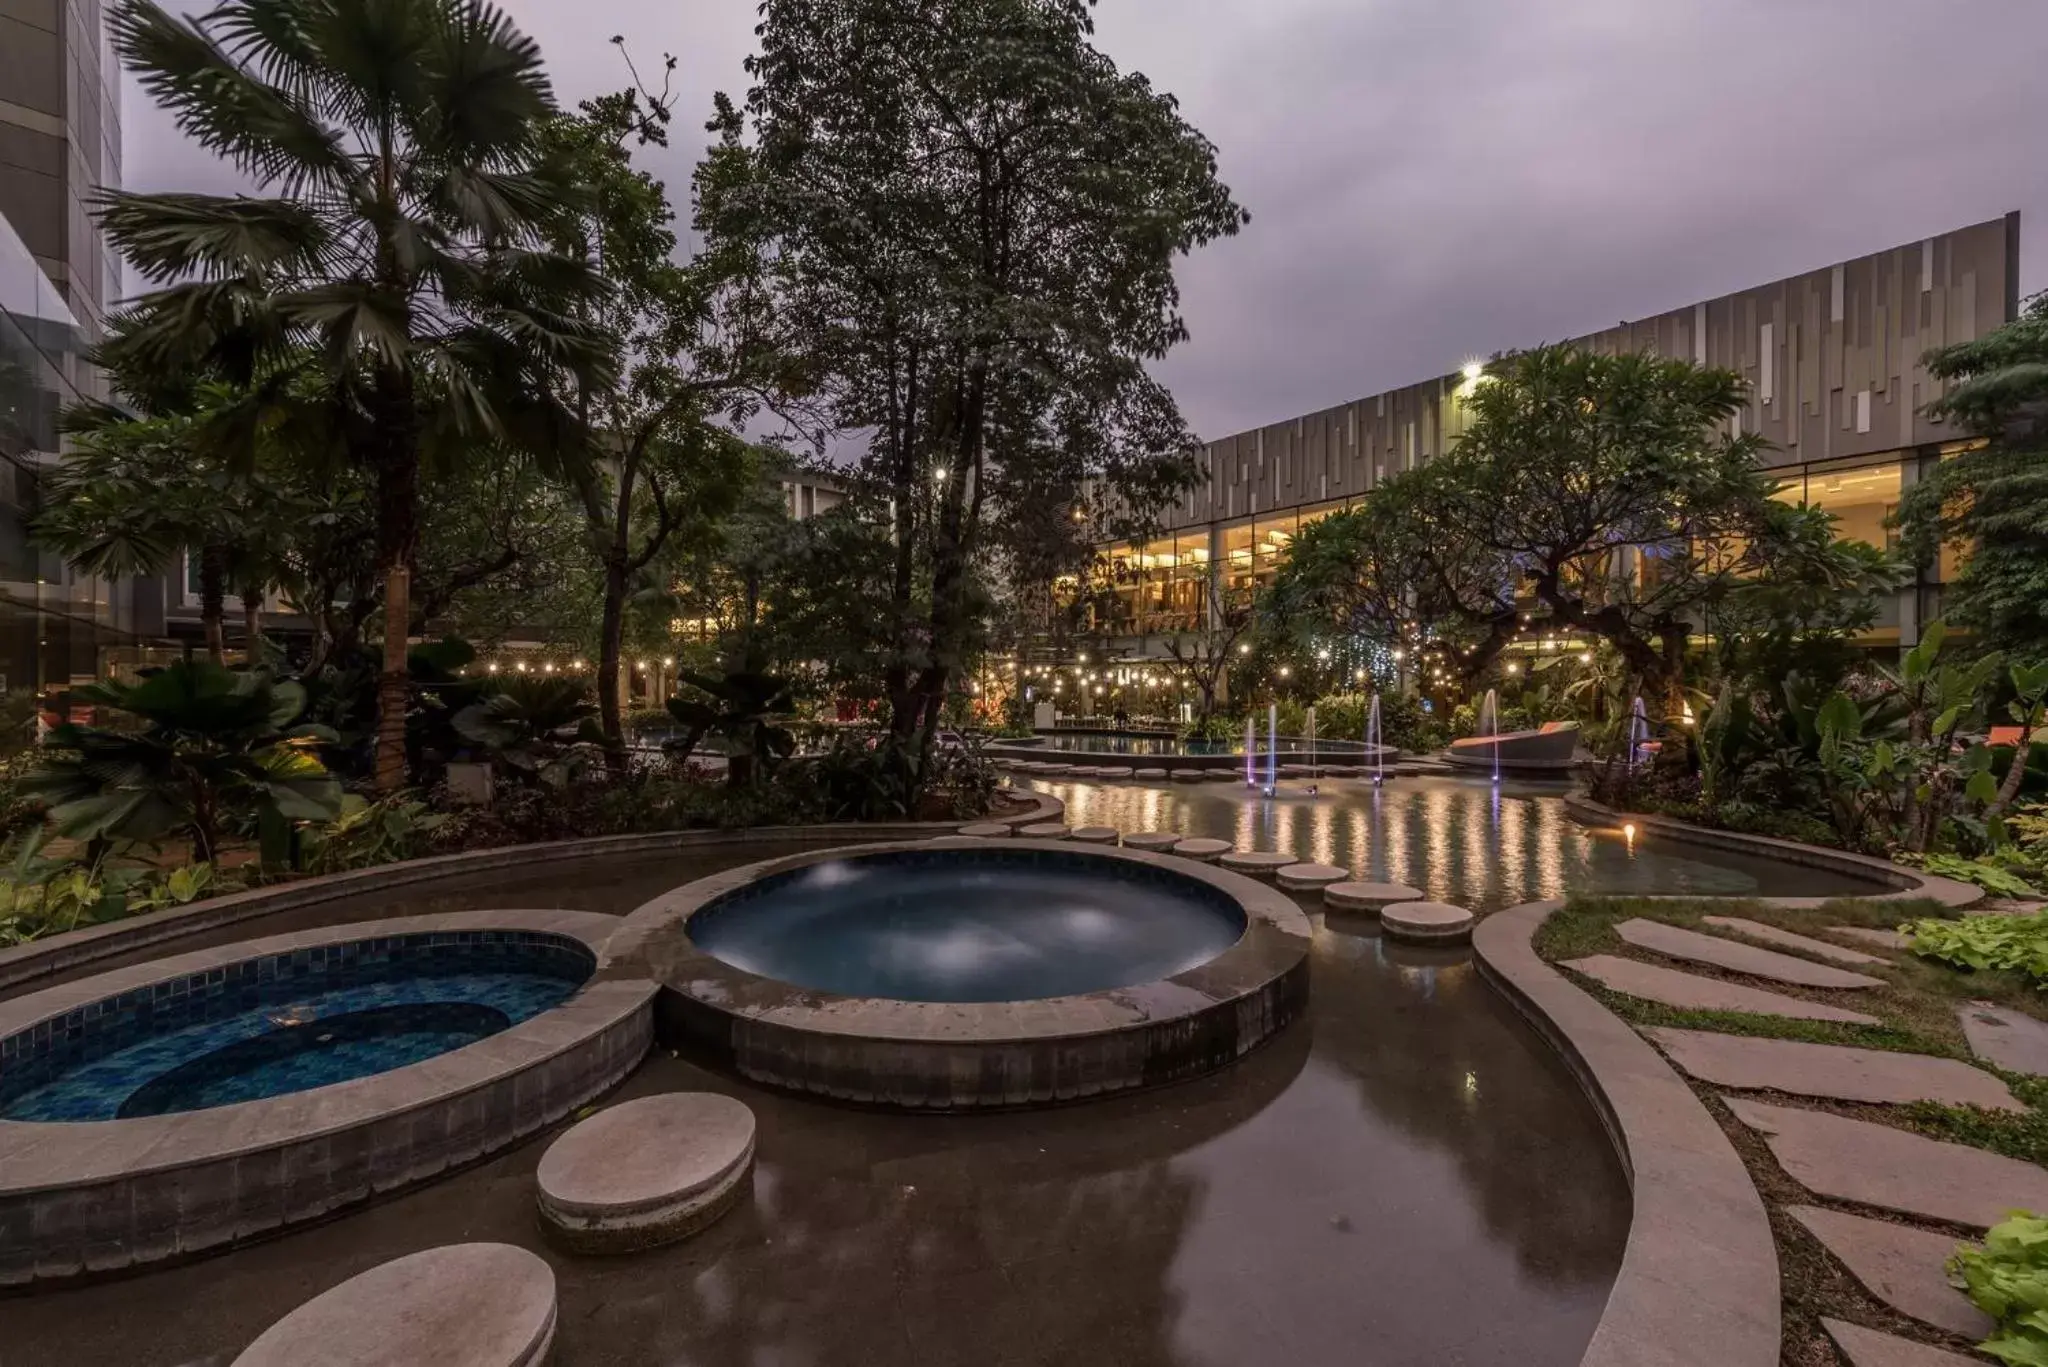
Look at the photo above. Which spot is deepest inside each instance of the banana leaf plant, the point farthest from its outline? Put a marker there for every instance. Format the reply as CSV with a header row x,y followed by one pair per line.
x,y
539,727
216,753
745,711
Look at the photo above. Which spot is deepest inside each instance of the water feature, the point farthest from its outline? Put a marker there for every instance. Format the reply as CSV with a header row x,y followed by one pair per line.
x,y
1638,733
1489,726
1311,729
1373,744
970,925
1251,753
1272,748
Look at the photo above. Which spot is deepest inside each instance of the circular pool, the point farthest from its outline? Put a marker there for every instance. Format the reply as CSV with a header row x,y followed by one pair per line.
x,y
948,925
281,1023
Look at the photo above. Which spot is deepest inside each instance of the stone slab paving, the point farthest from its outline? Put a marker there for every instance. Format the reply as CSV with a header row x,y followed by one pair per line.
x,y
1368,896
1871,935
1690,945
1153,840
1309,877
1868,1348
1875,1165
1832,1071
1689,990
1785,939
461,1305
2012,1040
1426,922
646,1172
1900,1266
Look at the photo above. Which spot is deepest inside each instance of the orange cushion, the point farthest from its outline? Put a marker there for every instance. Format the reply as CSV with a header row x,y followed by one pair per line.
x,y
2004,735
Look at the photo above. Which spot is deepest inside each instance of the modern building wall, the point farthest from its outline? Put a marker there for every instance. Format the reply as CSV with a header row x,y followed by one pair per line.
x,y
1834,361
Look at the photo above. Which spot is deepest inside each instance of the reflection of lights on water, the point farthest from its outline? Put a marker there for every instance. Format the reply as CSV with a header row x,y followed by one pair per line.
x,y
1472,1084
836,874
287,1017
1628,833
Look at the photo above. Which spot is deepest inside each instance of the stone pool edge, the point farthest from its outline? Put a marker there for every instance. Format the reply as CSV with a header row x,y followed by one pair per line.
x,y
54,954
103,1196
1698,1284
1905,884
966,1056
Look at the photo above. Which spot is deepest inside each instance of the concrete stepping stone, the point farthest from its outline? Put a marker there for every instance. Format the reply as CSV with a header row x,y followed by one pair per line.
x,y
1875,1165
2012,1040
984,830
1187,776
1220,776
1693,947
1868,1348
1833,1071
1692,992
1149,773
1202,849
1046,830
1161,841
646,1172
1426,923
1368,897
1049,770
1901,1266
1256,863
1785,939
1114,771
1096,835
1310,877
461,1305
1870,935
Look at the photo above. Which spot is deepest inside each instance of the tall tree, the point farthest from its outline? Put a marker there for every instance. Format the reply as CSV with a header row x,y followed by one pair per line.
x,y
1991,502
403,237
974,217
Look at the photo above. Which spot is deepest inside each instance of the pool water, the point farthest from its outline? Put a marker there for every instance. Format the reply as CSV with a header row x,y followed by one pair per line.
x,y
292,1034
970,925
1113,744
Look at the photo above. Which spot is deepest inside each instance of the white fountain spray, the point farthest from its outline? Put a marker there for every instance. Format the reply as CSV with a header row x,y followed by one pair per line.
x,y
1489,726
1251,753
1272,748
1638,732
1311,738
1372,742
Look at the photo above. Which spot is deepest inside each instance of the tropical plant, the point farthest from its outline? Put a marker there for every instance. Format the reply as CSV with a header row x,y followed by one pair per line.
x,y
2015,943
402,238
746,711
2008,1280
364,834
1994,878
532,724
216,754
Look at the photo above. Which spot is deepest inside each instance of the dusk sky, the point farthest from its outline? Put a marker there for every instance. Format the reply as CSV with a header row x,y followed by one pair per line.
x,y
1436,179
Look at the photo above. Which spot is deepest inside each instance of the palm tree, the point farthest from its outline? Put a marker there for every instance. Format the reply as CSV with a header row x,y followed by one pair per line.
x,y
403,240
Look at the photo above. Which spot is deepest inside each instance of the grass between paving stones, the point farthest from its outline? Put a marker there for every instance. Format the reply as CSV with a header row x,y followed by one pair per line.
x,y
1917,1008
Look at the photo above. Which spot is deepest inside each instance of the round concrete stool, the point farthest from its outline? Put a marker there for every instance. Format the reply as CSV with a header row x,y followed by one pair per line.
x,y
1115,771
1161,841
1096,835
461,1305
985,830
1149,773
1368,897
1202,850
1187,776
1426,923
1309,877
1045,830
1052,769
1221,776
647,1172
1257,863
1293,770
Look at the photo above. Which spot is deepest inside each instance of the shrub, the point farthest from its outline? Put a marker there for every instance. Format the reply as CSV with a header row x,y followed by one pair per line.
x,y
2018,943
2008,1280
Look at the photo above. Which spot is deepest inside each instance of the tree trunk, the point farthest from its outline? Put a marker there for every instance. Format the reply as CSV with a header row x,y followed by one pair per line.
x,y
611,635
252,622
393,681
398,498
2016,772
213,584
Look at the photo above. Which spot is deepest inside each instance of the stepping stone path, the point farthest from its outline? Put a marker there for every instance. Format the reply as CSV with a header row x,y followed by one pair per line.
x,y
1045,830
984,830
1115,771
1900,1266
1785,939
1368,897
1689,990
462,1305
1868,1348
1161,841
1832,1071
1309,877
1256,863
1869,935
1768,964
1187,776
1874,1165
1428,923
2010,1039
646,1172
1219,776
1096,835
1202,850
1149,773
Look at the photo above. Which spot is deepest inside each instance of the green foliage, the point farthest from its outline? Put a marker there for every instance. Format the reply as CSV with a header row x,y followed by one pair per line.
x,y
44,896
746,711
217,752
2008,1280
1215,729
1995,879
366,833
2015,943
531,724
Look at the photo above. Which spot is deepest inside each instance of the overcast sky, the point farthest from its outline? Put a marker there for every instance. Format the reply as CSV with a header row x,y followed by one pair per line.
x,y
1435,179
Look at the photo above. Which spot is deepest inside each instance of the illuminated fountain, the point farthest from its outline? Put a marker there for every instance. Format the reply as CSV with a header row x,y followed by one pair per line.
x,y
1489,726
1373,743
1638,733
1272,748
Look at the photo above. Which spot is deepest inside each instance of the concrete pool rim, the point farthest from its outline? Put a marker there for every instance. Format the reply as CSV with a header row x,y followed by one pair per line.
x,y
946,1056
99,1196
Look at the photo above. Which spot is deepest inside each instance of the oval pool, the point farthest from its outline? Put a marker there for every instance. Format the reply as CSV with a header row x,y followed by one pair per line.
x,y
960,925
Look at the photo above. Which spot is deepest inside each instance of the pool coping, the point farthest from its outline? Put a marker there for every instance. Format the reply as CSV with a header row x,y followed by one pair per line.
x,y
973,1055
93,1196
1905,884
1698,1284
53,954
